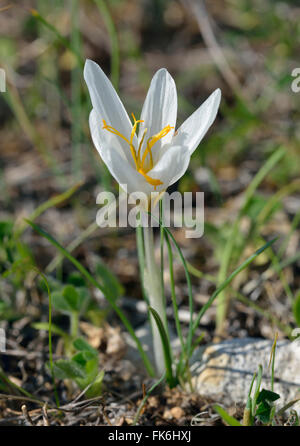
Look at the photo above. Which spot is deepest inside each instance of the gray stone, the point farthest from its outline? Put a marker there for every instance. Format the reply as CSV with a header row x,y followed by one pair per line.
x,y
224,371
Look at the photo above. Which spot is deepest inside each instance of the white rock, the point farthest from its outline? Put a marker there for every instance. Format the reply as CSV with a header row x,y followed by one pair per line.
x,y
224,371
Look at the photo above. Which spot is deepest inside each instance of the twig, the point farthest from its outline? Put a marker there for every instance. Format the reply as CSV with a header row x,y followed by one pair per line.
x,y
22,398
28,420
5,8
45,415
205,28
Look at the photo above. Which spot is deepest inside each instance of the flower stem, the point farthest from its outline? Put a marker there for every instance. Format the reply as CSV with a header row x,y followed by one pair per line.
x,y
152,283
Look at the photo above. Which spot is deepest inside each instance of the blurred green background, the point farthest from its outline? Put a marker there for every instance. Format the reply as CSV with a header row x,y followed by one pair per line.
x,y
247,48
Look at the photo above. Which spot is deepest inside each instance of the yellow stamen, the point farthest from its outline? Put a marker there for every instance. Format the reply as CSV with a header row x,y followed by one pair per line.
x,y
114,131
140,163
133,152
134,128
151,141
153,181
140,147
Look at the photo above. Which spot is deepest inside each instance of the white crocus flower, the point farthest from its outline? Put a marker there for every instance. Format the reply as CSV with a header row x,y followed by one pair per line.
x,y
158,155
148,160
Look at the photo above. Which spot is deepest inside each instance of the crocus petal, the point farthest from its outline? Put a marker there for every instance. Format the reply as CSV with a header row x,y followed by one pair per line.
x,y
102,137
120,169
160,108
191,132
170,167
107,104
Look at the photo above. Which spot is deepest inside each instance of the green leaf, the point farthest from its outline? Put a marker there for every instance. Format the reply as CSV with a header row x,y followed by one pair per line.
x,y
296,309
76,279
89,363
70,300
68,369
96,387
82,345
82,368
226,417
74,297
54,328
94,282
267,395
166,347
60,303
54,284
83,357
264,401
263,412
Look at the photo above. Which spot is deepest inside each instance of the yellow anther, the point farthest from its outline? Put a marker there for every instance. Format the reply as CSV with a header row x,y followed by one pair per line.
x,y
114,131
140,163
136,122
151,141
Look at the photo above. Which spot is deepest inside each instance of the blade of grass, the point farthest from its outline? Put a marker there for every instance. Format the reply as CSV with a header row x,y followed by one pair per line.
x,y
287,406
294,186
26,264
248,416
144,400
184,358
267,314
166,347
199,274
161,213
141,259
50,337
112,32
76,108
90,278
56,261
189,284
54,201
173,294
227,253
65,42
272,361
14,386
281,275
225,416
285,242
273,319
288,262
228,281
257,389
14,101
